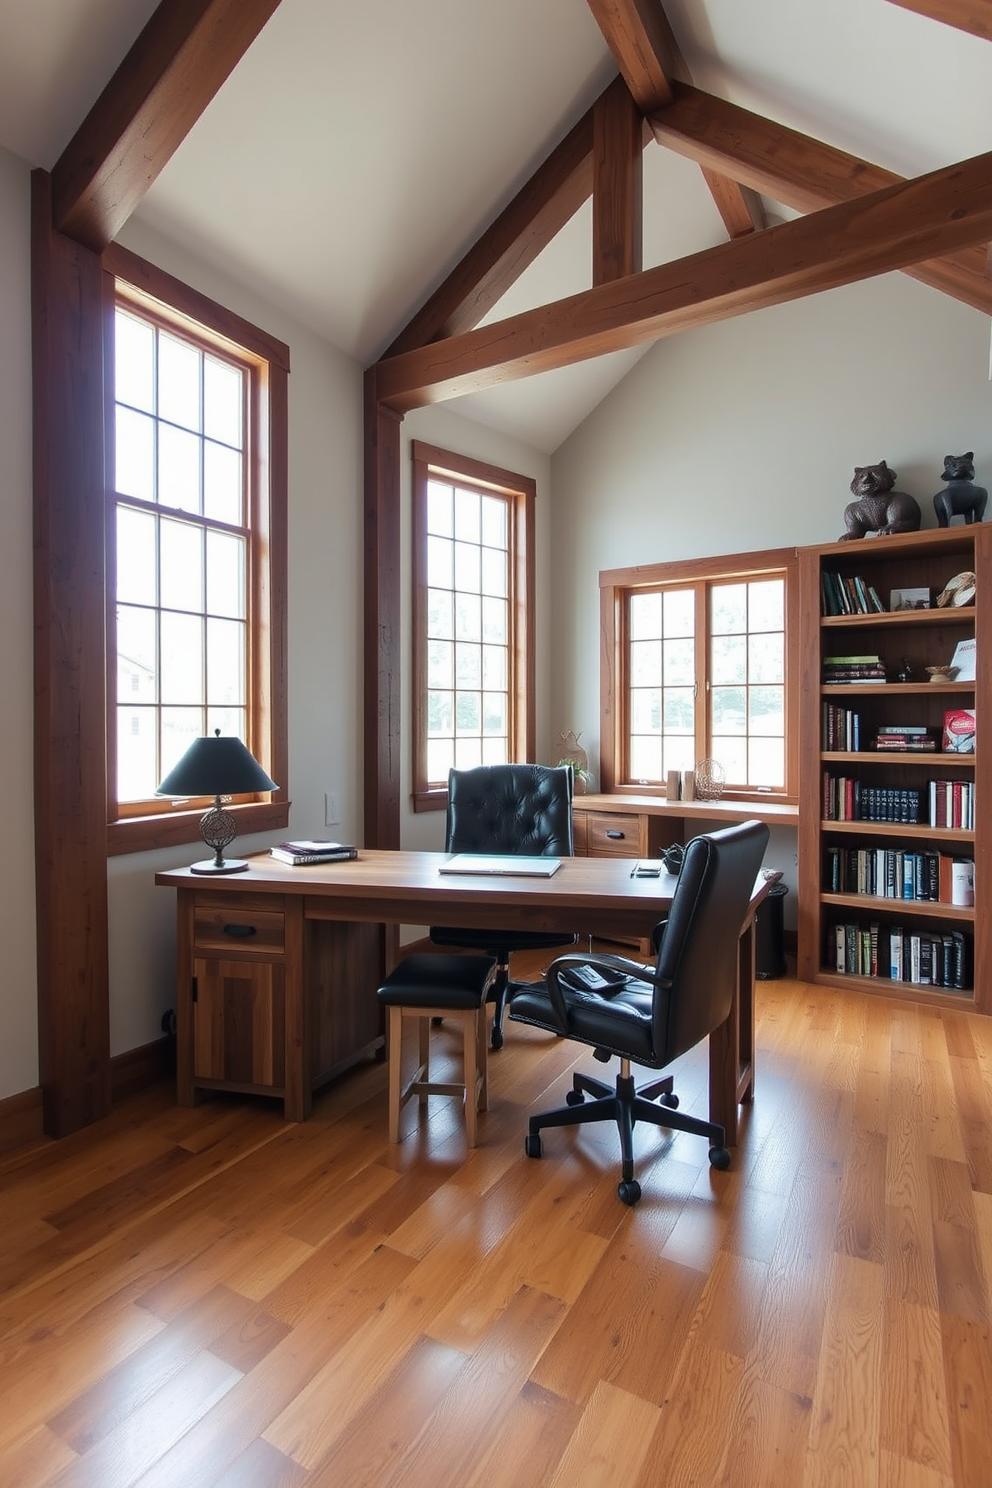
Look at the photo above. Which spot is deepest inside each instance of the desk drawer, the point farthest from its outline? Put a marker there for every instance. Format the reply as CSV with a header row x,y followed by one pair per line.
x,y
613,836
235,929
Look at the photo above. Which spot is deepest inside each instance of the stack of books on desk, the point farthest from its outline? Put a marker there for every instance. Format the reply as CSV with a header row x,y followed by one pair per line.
x,y
312,850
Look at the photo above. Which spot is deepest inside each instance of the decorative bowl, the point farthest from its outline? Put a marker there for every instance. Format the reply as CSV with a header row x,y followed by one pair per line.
x,y
942,673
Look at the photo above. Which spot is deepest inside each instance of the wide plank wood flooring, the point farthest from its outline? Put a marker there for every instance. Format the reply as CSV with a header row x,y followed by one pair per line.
x,y
212,1298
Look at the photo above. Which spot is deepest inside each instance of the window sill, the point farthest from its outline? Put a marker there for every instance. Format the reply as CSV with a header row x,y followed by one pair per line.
x,y
146,833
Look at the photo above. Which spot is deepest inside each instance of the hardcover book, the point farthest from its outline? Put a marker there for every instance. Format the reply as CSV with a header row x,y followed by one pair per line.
x,y
959,731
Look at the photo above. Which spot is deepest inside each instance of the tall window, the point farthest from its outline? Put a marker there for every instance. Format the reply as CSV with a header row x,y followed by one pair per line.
x,y
194,637
473,627
705,663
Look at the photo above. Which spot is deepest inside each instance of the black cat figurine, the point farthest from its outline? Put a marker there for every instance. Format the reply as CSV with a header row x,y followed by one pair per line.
x,y
878,508
960,497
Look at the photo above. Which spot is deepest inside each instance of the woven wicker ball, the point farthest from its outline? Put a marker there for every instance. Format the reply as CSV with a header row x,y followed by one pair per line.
x,y
710,779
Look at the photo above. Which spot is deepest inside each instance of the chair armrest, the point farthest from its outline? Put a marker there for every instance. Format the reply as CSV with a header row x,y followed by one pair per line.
x,y
557,991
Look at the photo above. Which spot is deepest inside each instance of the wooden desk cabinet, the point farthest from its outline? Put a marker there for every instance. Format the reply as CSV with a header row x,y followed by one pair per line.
x,y
270,1002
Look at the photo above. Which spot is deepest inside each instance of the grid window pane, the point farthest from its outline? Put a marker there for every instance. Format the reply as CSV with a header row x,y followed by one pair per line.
x,y
179,382
137,751
223,401
440,758
134,455
179,469
766,657
137,562
137,655
222,491
181,566
226,575
766,762
440,664
182,610
468,516
182,658
134,362
679,663
467,625
439,613
440,508
645,616
729,609
679,610
440,563
225,663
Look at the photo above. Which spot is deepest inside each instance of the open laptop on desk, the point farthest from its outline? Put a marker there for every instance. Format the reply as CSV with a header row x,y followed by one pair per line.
x,y
513,865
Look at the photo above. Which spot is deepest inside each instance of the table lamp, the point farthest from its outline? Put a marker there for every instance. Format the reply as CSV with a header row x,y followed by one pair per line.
x,y
216,767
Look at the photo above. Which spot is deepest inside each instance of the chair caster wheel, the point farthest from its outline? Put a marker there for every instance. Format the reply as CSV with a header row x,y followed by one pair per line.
x,y
532,1145
496,1039
574,1098
719,1158
670,1100
629,1192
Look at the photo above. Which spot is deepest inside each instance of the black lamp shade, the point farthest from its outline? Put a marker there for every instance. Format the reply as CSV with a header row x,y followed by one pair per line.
x,y
216,767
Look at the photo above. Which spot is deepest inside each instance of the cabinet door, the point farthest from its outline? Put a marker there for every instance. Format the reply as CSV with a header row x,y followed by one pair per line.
x,y
239,1024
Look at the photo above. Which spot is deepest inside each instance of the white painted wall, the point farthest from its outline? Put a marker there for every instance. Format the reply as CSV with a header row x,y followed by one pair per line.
x,y
18,977
745,435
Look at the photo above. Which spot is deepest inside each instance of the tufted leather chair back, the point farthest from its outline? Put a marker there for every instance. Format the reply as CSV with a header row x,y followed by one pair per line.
x,y
510,809
699,947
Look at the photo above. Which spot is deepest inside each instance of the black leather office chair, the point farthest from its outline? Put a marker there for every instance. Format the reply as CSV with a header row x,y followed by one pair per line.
x,y
525,809
651,1017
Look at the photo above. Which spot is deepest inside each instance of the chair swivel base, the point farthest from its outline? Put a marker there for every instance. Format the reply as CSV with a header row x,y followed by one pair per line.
x,y
626,1105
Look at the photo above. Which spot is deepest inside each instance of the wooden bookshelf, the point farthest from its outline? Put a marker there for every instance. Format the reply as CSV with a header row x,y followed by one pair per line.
x,y
917,639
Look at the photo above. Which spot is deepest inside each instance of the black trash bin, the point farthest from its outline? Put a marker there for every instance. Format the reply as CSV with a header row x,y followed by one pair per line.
x,y
769,935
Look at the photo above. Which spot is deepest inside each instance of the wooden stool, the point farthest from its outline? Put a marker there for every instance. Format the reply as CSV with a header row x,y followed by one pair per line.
x,y
450,987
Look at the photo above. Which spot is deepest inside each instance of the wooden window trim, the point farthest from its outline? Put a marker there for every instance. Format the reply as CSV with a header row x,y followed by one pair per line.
x,y
615,584
521,490
176,303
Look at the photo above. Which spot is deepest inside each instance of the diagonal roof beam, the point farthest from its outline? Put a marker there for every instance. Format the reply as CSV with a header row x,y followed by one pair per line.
x,y
178,63
888,229
539,211
648,56
967,15
799,172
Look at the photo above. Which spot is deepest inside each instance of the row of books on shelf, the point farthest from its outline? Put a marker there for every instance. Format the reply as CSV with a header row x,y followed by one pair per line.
x,y
306,850
900,873
842,729
845,670
846,594
947,803
918,957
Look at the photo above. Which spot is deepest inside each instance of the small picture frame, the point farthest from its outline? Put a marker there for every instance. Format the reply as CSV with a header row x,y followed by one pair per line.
x,y
909,599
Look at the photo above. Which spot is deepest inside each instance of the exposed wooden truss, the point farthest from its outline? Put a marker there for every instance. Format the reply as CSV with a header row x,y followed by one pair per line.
x,y
884,230
967,15
648,56
799,172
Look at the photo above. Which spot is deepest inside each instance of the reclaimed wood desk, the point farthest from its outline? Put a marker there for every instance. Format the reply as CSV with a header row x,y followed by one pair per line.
x,y
277,968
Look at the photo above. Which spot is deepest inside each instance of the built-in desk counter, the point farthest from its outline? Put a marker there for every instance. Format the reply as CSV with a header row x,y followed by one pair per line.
x,y
631,826
622,826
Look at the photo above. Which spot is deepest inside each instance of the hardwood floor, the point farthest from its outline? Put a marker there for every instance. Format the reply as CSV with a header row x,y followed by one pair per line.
x,y
213,1297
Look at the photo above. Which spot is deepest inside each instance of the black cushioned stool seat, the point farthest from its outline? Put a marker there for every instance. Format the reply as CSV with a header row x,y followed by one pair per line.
x,y
426,986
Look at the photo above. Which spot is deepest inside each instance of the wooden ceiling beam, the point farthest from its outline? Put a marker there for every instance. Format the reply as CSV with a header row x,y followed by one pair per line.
x,y
537,213
888,229
175,67
801,173
645,50
617,197
967,15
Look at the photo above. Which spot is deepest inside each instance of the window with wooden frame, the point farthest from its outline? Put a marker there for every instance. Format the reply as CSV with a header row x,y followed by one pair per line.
x,y
473,618
196,550
699,663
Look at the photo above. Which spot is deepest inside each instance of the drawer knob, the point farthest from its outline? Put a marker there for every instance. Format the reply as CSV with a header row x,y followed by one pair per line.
x,y
239,931
614,832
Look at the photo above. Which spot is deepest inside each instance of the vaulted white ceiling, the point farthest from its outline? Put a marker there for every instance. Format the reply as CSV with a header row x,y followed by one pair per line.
x,y
361,146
